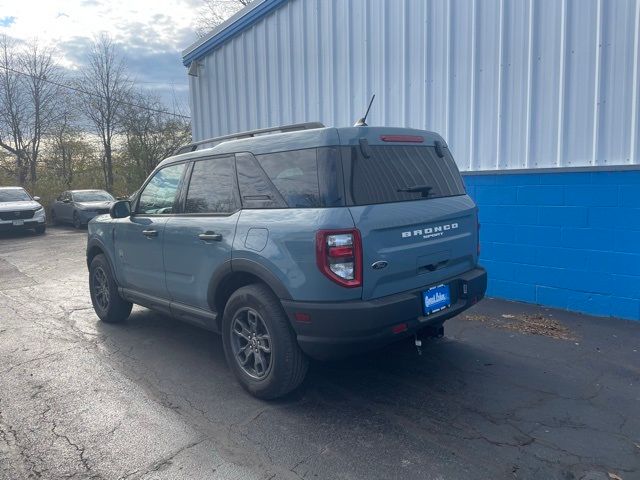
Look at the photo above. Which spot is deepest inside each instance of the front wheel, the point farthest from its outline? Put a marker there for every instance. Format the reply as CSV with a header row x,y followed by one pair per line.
x,y
76,221
259,344
107,302
41,229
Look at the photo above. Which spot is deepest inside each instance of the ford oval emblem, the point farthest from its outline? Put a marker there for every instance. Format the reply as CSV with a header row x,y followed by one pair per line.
x,y
379,265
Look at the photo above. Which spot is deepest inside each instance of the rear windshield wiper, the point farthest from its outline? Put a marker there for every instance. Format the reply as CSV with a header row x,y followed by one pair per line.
x,y
423,189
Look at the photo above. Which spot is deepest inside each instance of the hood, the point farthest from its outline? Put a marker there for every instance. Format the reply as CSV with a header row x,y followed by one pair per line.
x,y
94,205
23,205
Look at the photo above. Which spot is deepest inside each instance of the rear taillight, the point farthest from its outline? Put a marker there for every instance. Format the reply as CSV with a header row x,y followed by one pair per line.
x,y
339,256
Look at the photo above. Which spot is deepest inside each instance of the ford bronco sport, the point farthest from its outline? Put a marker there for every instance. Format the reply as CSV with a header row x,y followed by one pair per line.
x,y
294,242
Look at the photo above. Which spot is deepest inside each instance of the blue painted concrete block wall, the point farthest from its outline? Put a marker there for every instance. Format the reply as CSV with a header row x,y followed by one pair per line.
x,y
563,239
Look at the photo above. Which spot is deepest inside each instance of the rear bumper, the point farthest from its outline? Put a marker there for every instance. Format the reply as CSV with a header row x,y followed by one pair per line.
x,y
332,330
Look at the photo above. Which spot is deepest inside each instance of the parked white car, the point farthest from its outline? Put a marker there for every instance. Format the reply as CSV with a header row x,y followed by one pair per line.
x,y
21,211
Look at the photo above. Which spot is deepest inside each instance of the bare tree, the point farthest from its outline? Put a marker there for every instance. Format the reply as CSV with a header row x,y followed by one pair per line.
x,y
12,108
67,147
43,91
104,86
151,135
29,93
214,12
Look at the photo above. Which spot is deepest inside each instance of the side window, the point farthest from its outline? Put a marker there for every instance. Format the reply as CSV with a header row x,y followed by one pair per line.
x,y
295,175
160,193
211,187
256,191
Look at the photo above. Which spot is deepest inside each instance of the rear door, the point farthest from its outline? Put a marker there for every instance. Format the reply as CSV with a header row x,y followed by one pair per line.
x,y
65,207
56,207
408,200
198,240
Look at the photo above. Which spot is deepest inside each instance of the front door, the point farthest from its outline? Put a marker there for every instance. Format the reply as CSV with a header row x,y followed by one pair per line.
x,y
139,238
198,240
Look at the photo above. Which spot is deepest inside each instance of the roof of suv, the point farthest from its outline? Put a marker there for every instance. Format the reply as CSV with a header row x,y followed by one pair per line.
x,y
312,138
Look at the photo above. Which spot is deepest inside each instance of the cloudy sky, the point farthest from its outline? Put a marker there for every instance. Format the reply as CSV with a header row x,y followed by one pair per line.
x,y
150,33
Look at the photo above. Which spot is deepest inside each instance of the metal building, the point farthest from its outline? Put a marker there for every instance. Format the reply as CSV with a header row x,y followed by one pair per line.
x,y
508,83
539,101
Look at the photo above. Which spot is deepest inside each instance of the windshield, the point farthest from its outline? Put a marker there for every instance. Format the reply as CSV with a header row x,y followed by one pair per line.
x,y
97,196
14,195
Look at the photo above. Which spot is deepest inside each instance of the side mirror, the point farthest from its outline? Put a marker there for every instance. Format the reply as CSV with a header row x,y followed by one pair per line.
x,y
66,200
120,209
37,199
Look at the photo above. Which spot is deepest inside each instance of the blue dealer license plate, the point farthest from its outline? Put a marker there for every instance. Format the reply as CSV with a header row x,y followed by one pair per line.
x,y
436,299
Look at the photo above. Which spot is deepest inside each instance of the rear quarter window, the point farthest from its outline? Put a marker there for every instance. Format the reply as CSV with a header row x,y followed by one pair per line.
x,y
391,172
295,175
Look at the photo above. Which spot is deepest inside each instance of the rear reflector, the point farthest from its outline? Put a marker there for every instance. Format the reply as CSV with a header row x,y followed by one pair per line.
x,y
402,138
401,327
302,317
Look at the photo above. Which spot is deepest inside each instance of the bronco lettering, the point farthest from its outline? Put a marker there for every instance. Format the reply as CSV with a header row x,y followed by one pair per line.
x,y
430,231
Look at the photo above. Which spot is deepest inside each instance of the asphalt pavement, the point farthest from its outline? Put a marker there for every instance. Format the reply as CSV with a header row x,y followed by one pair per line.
x,y
512,392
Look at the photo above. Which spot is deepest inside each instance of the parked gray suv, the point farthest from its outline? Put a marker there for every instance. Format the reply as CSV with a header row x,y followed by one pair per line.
x,y
293,243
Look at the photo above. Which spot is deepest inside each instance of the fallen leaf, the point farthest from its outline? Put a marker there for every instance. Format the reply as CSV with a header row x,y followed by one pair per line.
x,y
613,476
505,315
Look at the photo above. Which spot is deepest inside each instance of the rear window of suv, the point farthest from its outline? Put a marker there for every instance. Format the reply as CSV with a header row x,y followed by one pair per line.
x,y
398,174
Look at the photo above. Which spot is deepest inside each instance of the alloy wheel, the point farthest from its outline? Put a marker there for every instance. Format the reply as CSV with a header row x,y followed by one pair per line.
x,y
101,288
251,343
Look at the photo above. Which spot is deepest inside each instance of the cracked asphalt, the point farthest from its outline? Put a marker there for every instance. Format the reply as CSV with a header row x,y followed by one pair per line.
x,y
153,398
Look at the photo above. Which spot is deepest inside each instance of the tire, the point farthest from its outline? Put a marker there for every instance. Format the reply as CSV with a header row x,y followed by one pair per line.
x,y
107,302
287,364
77,224
40,230
54,219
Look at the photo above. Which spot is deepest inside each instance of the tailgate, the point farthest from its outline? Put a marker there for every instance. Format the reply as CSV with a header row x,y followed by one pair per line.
x,y
422,242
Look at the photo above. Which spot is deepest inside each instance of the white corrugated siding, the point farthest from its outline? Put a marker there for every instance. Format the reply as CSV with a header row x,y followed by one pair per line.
x,y
508,83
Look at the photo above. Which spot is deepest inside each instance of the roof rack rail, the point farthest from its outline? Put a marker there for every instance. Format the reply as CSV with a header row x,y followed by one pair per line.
x,y
210,142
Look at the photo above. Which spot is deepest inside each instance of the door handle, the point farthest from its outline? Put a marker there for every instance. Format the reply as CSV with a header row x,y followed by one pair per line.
x,y
150,233
210,236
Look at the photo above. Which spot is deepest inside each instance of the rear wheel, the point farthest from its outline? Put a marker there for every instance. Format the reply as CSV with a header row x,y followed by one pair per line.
x,y
107,302
54,219
259,344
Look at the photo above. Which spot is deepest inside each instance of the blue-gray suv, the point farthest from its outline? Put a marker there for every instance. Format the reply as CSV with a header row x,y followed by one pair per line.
x,y
296,242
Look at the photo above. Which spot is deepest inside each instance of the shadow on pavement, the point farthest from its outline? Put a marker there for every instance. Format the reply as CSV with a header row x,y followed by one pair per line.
x,y
529,408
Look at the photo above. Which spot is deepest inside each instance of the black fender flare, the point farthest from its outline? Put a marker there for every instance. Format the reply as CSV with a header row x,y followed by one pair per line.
x,y
264,274
97,243
243,265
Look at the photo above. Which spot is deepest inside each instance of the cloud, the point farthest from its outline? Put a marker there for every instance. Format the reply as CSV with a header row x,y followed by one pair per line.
x,y
150,34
